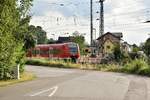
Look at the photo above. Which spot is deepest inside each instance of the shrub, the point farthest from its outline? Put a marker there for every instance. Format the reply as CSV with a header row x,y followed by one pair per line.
x,y
51,63
144,71
117,53
138,66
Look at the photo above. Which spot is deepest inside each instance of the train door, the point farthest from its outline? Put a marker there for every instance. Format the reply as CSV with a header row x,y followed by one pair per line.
x,y
37,52
50,52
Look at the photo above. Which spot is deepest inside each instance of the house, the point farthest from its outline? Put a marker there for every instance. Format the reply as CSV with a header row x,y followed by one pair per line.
x,y
107,42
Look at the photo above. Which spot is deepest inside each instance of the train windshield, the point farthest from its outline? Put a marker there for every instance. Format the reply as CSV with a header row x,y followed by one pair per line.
x,y
73,48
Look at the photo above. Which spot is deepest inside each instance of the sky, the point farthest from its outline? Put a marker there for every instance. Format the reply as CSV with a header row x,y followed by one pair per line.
x,y
58,17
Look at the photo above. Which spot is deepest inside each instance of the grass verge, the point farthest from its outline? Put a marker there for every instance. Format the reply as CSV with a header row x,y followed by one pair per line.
x,y
26,76
52,63
138,66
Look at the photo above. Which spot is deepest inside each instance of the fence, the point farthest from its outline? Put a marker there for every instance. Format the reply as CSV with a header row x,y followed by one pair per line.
x,y
90,60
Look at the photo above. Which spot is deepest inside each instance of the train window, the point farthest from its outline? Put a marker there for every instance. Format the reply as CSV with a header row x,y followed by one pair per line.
x,y
72,45
41,52
37,51
44,52
34,52
73,48
54,51
51,51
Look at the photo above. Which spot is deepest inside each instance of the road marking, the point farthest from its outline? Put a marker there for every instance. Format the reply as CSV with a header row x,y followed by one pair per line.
x,y
53,92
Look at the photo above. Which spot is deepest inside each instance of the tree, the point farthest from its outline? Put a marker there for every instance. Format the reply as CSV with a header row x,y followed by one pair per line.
x,y
51,41
146,47
117,53
81,41
39,35
13,24
135,48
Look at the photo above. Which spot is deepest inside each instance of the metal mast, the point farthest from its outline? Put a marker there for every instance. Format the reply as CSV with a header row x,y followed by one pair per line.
x,y
101,19
91,21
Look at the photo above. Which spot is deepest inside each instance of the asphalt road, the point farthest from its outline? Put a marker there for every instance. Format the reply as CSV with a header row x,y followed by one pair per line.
x,y
73,84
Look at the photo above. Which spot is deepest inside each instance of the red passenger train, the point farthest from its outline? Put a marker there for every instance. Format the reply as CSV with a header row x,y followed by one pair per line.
x,y
63,50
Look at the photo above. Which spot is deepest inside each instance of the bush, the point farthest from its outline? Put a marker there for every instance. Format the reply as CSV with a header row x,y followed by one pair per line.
x,y
138,66
7,56
51,63
144,71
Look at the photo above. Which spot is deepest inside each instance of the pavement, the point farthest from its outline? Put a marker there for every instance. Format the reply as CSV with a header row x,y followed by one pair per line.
x,y
74,84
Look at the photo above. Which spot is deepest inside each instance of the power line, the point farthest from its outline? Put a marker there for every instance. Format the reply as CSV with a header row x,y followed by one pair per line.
x,y
131,4
130,26
132,11
78,3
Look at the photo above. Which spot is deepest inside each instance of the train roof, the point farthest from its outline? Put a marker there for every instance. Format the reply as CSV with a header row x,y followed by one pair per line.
x,y
60,44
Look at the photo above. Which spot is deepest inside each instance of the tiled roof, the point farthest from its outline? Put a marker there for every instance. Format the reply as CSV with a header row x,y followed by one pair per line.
x,y
115,34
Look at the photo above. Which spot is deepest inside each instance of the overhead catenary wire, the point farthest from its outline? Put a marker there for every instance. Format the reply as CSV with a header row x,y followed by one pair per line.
x,y
79,3
115,15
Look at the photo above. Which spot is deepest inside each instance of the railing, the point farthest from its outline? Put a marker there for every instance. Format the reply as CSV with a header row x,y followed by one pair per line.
x,y
90,60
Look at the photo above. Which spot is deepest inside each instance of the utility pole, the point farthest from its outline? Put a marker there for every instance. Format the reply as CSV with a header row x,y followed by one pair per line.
x,y
91,21
94,33
101,19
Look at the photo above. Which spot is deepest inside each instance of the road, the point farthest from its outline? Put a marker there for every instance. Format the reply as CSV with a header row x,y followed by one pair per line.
x,y
74,84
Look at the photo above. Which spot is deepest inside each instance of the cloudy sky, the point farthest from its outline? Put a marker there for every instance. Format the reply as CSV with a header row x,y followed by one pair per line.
x,y
67,16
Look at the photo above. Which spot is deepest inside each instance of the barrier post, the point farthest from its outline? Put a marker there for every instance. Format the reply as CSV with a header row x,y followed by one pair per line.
x,y
18,73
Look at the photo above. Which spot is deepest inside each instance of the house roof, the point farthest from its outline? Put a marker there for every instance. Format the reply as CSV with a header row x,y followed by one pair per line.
x,y
118,35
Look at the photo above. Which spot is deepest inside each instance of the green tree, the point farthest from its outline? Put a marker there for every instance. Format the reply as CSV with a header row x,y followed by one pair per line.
x,y
146,47
13,25
39,35
51,41
135,48
81,41
117,53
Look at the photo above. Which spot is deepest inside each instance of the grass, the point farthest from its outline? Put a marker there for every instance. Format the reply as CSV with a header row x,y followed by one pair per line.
x,y
26,76
52,63
138,66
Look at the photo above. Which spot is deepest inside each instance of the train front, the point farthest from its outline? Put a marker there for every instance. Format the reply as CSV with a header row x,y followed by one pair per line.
x,y
74,50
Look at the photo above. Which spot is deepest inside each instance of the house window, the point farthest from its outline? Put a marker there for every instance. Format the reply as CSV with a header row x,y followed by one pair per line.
x,y
108,47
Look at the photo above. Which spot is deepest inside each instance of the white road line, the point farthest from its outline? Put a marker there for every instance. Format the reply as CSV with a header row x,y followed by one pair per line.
x,y
53,92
